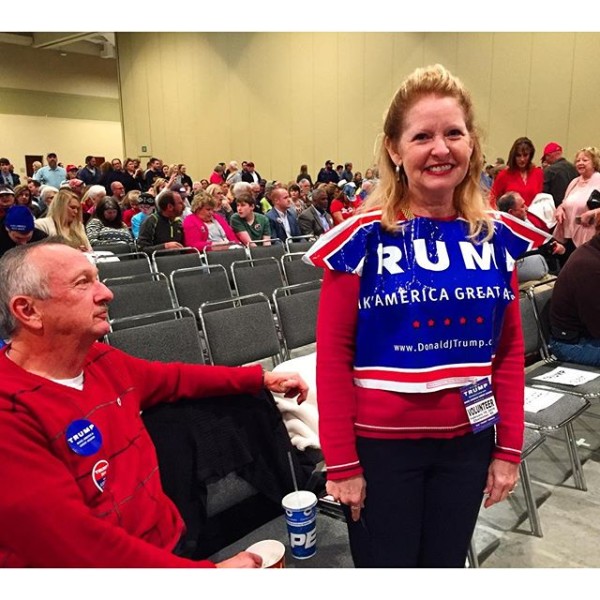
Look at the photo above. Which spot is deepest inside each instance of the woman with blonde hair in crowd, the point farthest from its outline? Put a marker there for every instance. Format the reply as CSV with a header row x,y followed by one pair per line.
x,y
410,453
223,208
129,206
65,218
158,186
90,200
575,220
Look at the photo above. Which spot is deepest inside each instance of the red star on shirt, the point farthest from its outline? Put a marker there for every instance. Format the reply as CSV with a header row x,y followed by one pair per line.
x,y
431,322
416,324
462,320
447,321
479,320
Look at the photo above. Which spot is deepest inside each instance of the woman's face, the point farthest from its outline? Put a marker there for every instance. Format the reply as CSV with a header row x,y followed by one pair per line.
x,y
110,214
204,184
130,166
72,210
523,159
49,197
165,169
584,165
205,214
369,174
294,194
23,197
434,149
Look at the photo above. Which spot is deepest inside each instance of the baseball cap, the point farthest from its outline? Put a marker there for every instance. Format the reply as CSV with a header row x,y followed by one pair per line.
x,y
552,147
6,190
329,162
147,199
71,168
19,218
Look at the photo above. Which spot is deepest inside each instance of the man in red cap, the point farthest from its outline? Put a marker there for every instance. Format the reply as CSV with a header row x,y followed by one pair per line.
x,y
559,172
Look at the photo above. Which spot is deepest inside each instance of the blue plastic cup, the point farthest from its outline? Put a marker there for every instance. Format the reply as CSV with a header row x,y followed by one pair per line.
x,y
301,519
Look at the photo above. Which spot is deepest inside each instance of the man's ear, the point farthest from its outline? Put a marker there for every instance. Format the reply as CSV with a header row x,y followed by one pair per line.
x,y
26,311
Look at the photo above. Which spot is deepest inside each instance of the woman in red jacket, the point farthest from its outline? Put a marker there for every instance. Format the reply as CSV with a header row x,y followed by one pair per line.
x,y
204,228
420,363
520,175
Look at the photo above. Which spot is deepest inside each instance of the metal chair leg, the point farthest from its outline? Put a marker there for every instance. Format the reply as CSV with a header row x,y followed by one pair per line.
x,y
578,476
532,511
472,555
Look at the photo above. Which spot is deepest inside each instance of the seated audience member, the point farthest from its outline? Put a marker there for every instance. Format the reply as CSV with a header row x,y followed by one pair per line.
x,y
224,207
282,217
8,177
18,228
146,204
71,172
204,228
90,200
7,199
35,187
75,185
23,198
204,183
82,487
298,203
158,186
344,204
129,206
106,226
315,220
365,189
357,180
248,225
117,190
575,306
234,174
47,193
89,174
163,229
65,218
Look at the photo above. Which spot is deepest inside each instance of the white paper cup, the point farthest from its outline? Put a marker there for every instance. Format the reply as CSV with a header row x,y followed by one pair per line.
x,y
272,553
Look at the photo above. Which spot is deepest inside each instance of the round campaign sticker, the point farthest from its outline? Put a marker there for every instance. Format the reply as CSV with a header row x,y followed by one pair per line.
x,y
83,437
99,474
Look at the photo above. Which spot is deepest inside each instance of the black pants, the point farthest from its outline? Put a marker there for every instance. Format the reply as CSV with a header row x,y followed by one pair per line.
x,y
423,497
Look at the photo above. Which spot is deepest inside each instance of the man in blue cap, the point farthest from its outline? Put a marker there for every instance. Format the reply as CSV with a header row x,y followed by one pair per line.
x,y
18,228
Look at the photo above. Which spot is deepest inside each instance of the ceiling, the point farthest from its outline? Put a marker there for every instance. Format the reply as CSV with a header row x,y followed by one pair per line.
x,y
91,43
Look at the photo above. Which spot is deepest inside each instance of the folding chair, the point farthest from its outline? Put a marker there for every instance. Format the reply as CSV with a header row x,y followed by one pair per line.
x,y
275,249
139,295
532,439
254,276
116,248
122,265
299,243
165,341
195,286
237,333
297,271
167,261
296,307
225,258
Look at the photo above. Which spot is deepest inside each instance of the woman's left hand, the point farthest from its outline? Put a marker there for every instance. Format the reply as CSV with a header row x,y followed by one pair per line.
x,y
501,480
288,384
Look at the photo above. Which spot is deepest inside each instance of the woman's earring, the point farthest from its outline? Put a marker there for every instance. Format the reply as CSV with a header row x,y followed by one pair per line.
x,y
398,167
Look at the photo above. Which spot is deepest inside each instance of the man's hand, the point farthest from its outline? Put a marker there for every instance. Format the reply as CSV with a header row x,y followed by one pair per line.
x,y
243,560
288,384
169,245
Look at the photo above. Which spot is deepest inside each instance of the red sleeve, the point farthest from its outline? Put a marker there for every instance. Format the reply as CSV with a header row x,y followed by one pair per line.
x,y
336,206
498,187
508,382
194,235
336,326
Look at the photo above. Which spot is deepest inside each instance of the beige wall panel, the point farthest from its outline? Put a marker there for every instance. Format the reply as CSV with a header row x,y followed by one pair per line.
x,y
71,139
551,88
305,138
48,71
584,129
510,91
441,48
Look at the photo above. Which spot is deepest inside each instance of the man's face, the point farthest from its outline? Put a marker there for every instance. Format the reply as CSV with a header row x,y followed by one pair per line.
x,y
320,201
281,199
116,164
20,237
244,210
304,188
250,168
520,208
118,189
77,306
6,201
92,162
5,168
52,162
157,165
255,189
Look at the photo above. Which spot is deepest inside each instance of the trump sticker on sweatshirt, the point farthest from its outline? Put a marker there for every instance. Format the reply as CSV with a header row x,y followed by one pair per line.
x,y
83,437
99,474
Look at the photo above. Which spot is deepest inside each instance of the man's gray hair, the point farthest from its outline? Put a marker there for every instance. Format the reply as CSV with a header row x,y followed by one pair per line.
x,y
241,187
20,276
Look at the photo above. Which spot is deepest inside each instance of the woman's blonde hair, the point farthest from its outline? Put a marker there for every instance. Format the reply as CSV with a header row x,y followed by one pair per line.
x,y
202,199
593,153
74,232
392,190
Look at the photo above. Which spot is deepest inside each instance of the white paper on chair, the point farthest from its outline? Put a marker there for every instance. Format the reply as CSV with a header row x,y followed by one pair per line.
x,y
536,400
568,376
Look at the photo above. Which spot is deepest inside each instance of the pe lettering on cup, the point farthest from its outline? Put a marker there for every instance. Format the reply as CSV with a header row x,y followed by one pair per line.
x,y
301,519
272,553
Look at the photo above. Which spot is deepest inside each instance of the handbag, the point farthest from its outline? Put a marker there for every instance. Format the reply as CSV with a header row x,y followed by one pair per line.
x,y
593,201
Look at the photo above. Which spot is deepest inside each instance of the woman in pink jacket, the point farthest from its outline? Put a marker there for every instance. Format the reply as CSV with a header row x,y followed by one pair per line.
x,y
205,229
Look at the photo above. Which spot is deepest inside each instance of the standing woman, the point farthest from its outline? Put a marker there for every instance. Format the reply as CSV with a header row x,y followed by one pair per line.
x,y
575,223
520,175
403,338
65,219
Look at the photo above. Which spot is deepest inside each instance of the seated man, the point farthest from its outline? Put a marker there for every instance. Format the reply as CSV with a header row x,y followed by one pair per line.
x,y
315,220
82,486
247,224
7,199
284,223
18,228
575,307
163,229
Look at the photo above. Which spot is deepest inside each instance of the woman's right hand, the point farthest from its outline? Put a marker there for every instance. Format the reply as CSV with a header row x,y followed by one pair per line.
x,y
559,215
351,491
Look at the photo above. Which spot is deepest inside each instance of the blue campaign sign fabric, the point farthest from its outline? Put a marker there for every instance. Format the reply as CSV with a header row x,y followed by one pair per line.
x,y
431,302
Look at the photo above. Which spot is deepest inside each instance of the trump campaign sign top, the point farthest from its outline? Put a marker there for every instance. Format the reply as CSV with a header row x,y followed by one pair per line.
x,y
431,301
